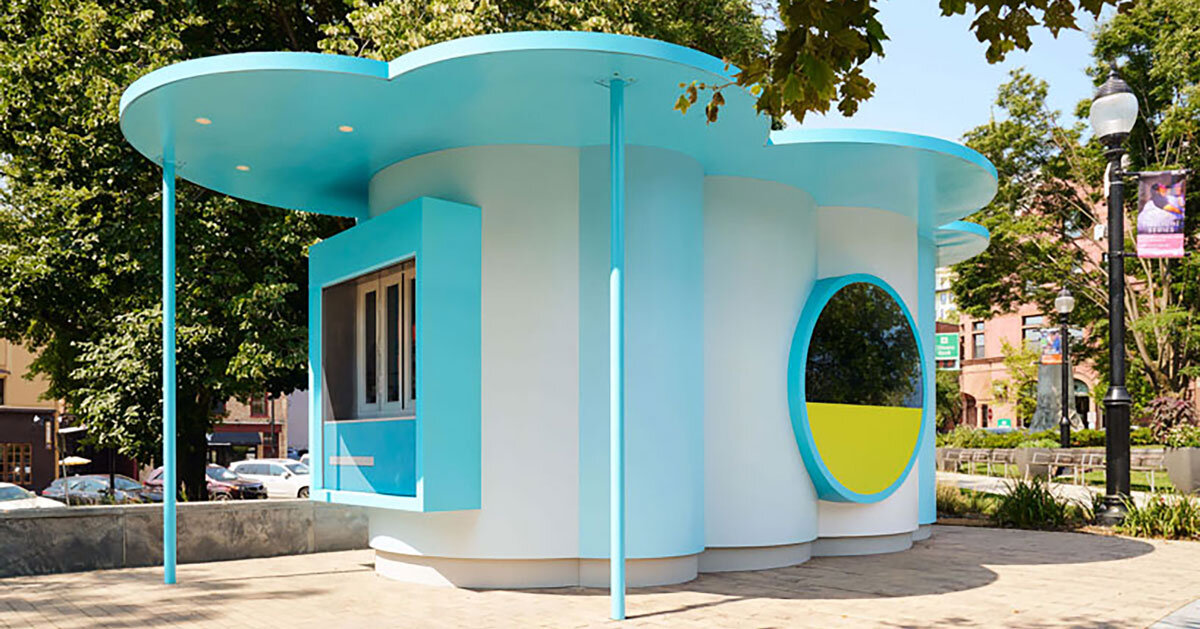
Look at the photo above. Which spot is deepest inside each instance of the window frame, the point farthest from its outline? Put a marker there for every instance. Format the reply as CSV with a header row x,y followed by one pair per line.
x,y
401,275
16,462
266,405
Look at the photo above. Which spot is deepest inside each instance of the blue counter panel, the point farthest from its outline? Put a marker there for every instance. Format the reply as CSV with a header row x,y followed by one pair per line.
x,y
372,456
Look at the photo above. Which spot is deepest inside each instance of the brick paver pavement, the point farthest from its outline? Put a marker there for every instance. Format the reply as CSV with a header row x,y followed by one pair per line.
x,y
962,577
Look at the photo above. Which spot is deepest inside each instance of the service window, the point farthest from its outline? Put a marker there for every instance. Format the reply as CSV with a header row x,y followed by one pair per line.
x,y
369,345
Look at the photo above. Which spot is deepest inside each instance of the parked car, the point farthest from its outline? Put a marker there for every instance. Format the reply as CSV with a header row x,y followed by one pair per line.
x,y
92,490
14,497
222,484
304,458
283,478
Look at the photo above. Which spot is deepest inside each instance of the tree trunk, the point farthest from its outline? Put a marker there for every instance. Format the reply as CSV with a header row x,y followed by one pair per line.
x,y
193,448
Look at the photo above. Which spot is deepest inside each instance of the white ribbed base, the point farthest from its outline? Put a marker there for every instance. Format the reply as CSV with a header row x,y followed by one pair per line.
x,y
530,573
546,573
730,559
863,545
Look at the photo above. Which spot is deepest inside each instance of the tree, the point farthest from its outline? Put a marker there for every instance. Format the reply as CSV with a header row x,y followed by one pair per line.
x,y
389,28
79,211
79,223
1020,388
948,399
1050,199
811,57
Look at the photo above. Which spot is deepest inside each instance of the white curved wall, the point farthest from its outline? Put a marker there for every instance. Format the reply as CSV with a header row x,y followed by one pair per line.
x,y
664,350
760,261
529,197
884,244
718,272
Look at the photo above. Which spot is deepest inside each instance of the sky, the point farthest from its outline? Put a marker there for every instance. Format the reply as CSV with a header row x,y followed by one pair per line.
x,y
935,80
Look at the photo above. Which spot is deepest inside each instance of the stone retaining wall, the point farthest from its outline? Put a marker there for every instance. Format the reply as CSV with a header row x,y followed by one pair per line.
x,y
44,541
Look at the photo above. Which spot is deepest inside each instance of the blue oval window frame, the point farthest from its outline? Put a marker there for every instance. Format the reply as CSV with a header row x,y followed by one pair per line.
x,y
827,485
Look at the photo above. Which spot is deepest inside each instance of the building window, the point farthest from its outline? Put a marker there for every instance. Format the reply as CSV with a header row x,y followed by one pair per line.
x,y
258,406
16,463
1031,330
385,334
979,349
3,381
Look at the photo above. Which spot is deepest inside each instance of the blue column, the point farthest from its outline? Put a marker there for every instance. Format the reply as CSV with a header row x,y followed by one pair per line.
x,y
616,351
170,477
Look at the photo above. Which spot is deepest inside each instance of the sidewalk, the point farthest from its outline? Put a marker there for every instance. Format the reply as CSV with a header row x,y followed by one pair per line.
x,y
962,577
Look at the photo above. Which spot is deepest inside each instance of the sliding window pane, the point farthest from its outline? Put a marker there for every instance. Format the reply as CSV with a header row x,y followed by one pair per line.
x,y
370,354
412,348
392,321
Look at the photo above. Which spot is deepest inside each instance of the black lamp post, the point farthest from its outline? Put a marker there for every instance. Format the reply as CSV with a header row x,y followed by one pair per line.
x,y
1114,111
1064,304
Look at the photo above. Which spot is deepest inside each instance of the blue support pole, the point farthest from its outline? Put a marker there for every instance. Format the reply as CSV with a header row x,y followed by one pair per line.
x,y
616,351
170,480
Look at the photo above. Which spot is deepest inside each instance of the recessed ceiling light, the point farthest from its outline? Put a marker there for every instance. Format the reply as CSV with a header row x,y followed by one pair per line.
x,y
203,121
346,128
242,167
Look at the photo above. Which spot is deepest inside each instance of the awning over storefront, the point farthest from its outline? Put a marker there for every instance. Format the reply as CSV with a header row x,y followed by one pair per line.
x,y
234,439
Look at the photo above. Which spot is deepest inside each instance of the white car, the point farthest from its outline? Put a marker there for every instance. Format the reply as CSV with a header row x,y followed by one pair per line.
x,y
283,478
17,497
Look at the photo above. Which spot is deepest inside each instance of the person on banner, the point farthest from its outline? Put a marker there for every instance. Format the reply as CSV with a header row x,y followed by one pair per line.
x,y
1163,211
1160,219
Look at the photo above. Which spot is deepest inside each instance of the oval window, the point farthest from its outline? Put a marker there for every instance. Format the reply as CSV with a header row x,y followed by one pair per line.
x,y
862,389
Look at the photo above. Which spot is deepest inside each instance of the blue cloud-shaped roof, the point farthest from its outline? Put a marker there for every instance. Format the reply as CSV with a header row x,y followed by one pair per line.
x,y
308,131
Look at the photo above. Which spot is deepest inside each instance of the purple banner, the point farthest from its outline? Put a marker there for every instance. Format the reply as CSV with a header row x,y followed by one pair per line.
x,y
1160,214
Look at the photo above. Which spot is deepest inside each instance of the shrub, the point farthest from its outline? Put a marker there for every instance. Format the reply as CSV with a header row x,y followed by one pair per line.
x,y
1172,516
1140,436
1031,505
1039,443
1183,437
1169,413
1087,438
953,501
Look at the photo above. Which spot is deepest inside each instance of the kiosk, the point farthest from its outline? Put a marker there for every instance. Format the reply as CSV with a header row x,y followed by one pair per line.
x,y
572,323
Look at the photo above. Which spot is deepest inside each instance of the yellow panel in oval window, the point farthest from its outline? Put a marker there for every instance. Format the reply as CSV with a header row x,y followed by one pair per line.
x,y
865,448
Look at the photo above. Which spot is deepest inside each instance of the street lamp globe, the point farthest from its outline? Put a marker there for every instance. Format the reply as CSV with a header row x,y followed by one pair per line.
x,y
1114,110
1065,302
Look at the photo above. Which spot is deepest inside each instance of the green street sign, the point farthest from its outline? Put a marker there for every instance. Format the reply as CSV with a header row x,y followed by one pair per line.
x,y
945,346
1004,423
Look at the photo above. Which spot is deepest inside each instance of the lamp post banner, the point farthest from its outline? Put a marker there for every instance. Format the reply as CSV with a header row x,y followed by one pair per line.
x,y
1052,353
1160,214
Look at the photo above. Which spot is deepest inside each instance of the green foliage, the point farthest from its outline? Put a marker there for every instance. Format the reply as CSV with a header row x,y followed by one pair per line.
x,y
863,351
1020,387
956,502
80,224
80,209
1182,437
1087,438
1044,442
948,399
1171,417
1032,505
966,437
807,57
817,55
1170,516
1049,200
